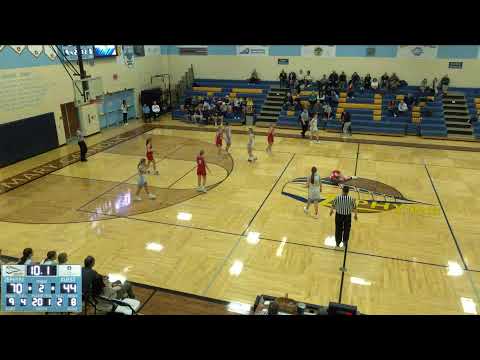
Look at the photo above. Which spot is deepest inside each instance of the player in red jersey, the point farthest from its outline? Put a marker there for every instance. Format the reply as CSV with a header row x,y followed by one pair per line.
x,y
270,136
337,177
219,138
202,172
149,155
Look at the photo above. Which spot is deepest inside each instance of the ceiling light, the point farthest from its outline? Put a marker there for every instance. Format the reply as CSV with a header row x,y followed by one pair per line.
x,y
154,246
253,237
454,269
360,281
236,268
184,216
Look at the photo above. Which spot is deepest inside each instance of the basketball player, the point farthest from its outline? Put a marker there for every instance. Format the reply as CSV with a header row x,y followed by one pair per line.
x,y
314,188
250,145
150,159
270,136
218,139
337,177
142,182
228,136
201,172
314,128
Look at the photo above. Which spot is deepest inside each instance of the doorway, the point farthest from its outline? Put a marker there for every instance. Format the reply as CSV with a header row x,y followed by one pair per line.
x,y
70,120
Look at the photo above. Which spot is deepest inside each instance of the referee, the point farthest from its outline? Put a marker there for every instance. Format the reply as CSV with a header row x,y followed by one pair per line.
x,y
343,205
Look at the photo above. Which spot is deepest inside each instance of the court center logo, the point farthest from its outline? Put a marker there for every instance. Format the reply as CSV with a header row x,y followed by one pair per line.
x,y
372,196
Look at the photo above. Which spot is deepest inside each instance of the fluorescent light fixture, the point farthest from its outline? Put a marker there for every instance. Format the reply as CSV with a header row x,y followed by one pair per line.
x,y
253,237
330,241
454,269
360,281
236,268
154,246
469,306
117,277
184,216
281,246
239,308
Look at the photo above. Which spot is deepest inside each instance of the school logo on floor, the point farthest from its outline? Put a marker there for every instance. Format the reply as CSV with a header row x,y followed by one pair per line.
x,y
372,196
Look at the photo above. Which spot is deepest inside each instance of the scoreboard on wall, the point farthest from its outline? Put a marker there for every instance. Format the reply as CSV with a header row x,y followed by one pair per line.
x,y
41,288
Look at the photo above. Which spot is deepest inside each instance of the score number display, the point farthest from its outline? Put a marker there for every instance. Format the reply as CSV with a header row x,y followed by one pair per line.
x,y
41,288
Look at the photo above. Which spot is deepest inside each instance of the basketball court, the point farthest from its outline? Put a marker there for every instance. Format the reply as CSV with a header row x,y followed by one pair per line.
x,y
248,234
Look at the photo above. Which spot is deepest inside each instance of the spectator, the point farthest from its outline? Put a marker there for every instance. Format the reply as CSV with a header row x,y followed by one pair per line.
x,y
333,79
26,258
333,99
304,121
323,83
346,124
82,145
312,99
146,112
423,85
402,107
254,77
445,82
198,115
51,258
342,80
113,290
355,79
367,82
374,84
435,86
124,109
291,79
155,110
351,90
317,108
384,81
394,82
327,110
308,78
62,258
283,78
392,108
88,275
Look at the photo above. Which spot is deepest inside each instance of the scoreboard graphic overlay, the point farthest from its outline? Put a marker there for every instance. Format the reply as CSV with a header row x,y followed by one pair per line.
x,y
41,288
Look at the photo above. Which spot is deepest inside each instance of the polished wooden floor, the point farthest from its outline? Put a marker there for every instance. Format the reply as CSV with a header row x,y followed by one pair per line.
x,y
244,237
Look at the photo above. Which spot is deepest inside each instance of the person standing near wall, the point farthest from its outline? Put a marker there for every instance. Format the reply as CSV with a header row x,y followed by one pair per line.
x,y
304,118
343,205
82,145
125,112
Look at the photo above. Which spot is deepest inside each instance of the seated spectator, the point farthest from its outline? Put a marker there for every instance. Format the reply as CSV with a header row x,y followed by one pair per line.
x,y
435,86
384,81
51,258
312,99
355,79
374,84
367,82
197,115
254,77
342,80
155,110
445,82
283,78
351,90
392,108
333,79
114,290
26,258
323,83
317,108
146,112
402,107
88,276
333,99
423,85
327,111
104,288
321,96
308,79
62,258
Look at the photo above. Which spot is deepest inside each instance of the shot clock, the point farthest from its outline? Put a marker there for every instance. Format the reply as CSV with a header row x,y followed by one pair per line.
x,y
41,288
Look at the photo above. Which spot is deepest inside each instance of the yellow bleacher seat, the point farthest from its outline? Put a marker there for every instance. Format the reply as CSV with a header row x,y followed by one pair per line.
x,y
377,101
416,109
304,103
377,112
477,105
290,113
417,120
378,96
247,91
208,89
343,94
342,100
339,110
210,93
400,97
431,98
339,115
232,95
306,93
377,117
422,104
360,106
477,100
415,113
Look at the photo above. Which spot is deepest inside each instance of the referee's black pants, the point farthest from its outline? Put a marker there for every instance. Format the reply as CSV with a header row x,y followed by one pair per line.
x,y
83,150
342,228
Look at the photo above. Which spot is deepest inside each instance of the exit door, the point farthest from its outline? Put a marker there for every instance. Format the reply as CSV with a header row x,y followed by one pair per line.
x,y
70,119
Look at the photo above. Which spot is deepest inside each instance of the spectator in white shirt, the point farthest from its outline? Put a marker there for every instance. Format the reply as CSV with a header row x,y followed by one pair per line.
x,y
26,258
374,84
51,258
308,78
402,107
125,112
155,110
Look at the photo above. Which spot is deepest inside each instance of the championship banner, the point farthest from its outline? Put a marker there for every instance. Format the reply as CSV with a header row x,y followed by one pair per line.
x,y
35,50
18,48
319,50
152,50
252,50
49,52
418,51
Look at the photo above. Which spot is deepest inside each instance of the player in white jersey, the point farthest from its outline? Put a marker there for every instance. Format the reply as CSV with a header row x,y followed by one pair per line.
x,y
250,145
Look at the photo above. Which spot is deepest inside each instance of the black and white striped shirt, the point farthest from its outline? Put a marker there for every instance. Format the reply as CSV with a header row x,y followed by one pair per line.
x,y
344,204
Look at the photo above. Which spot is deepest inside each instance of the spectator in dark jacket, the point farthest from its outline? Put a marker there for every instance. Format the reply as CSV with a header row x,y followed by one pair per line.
x,y
384,81
445,82
367,82
355,79
333,78
342,80
88,275
283,78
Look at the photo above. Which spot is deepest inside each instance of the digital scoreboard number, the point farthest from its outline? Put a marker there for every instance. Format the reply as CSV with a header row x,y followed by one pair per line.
x,y
41,288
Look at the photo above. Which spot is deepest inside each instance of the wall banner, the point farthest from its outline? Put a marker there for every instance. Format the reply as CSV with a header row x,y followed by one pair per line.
x,y
252,50
319,50
418,51
18,48
152,50
35,50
